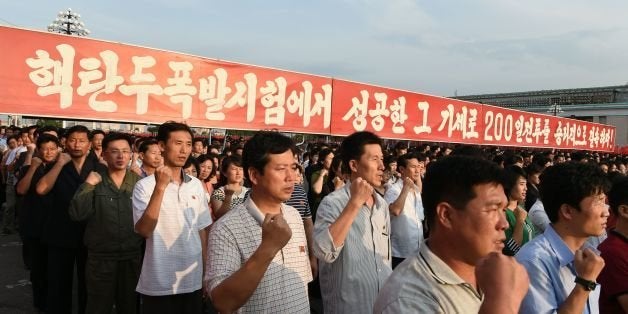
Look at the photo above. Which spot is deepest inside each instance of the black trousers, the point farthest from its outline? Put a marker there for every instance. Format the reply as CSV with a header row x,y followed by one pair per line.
x,y
112,282
39,270
185,303
61,262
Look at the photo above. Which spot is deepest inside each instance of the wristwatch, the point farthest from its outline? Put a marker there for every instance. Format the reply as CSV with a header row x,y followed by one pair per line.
x,y
586,284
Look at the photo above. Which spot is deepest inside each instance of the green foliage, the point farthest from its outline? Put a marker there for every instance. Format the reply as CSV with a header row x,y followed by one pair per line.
x,y
47,122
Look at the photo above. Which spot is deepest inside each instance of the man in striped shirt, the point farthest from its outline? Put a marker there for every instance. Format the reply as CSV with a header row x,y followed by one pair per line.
x,y
351,231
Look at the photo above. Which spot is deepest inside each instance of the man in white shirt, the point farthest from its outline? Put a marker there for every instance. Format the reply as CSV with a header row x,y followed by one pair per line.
x,y
171,211
406,208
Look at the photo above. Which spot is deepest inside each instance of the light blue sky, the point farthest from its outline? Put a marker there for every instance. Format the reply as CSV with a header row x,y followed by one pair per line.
x,y
436,46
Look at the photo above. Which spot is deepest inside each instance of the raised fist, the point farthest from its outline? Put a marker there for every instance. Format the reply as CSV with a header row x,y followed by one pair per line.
x,y
275,231
520,214
64,158
163,176
588,264
36,161
408,184
361,191
93,178
502,277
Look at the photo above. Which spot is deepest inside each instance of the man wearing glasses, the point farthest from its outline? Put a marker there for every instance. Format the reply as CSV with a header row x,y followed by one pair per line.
x,y
104,202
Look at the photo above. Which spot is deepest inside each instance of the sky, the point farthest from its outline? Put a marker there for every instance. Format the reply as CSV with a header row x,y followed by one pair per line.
x,y
438,47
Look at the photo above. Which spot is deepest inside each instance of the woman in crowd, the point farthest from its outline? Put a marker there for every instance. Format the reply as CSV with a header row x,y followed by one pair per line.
x,y
231,191
337,179
207,173
191,167
520,229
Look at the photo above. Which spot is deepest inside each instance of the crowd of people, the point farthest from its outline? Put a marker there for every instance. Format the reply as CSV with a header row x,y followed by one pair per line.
x,y
174,224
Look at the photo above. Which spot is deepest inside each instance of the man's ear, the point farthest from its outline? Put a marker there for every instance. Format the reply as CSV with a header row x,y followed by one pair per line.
x,y
353,165
162,146
566,211
253,175
444,213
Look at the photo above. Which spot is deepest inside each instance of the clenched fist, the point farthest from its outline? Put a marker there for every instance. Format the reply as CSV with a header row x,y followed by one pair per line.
x,y
275,232
35,162
93,178
588,264
408,185
520,214
502,277
64,158
361,191
163,176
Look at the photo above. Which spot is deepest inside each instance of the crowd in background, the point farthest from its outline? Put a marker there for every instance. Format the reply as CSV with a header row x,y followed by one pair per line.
x,y
109,206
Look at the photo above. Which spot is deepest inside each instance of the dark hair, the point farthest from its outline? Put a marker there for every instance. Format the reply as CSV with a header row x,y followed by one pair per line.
x,y
512,174
323,154
258,149
401,145
163,133
224,166
62,133
47,128
540,159
199,139
569,183
578,156
512,159
78,129
31,127
352,147
451,179
115,136
203,158
94,132
145,144
618,195
191,161
534,168
468,150
46,138
402,161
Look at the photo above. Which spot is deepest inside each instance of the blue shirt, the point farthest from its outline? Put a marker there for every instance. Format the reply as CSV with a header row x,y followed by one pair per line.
x,y
549,263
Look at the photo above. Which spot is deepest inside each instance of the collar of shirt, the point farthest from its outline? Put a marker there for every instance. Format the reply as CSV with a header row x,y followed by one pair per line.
x,y
563,253
127,183
255,212
378,200
186,178
439,269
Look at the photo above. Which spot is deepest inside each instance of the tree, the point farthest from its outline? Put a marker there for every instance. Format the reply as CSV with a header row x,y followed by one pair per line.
x,y
45,122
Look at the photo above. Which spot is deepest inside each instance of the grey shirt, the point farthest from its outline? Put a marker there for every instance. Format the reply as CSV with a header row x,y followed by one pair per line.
x,y
352,274
425,284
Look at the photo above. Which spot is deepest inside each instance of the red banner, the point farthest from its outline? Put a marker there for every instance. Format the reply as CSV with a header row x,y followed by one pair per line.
x,y
406,115
44,74
54,75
